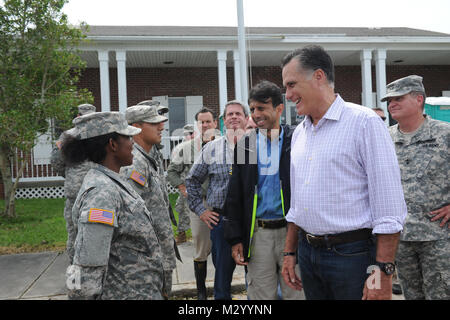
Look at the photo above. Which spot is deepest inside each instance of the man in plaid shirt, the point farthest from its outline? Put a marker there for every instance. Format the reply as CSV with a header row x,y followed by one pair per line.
x,y
215,162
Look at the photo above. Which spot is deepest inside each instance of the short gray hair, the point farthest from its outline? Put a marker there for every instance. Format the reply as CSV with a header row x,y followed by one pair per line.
x,y
244,108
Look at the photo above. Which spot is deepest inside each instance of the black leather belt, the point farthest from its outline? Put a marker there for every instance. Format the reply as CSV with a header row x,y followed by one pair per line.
x,y
272,224
335,239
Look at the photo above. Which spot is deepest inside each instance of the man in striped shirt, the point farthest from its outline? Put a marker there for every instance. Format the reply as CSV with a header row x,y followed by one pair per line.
x,y
347,204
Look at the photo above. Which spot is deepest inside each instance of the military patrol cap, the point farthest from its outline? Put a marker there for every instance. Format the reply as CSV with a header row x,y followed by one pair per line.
x,y
161,109
86,108
149,103
188,129
101,123
403,86
144,113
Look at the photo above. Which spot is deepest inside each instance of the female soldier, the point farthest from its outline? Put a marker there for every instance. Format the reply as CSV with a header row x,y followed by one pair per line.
x,y
117,254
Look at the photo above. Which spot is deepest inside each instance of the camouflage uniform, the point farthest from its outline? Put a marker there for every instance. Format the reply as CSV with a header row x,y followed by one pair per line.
x,y
121,260
74,176
117,253
182,160
425,166
154,193
181,205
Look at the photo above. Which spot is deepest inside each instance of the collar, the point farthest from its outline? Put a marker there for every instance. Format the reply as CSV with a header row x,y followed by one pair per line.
x,y
422,134
280,137
334,112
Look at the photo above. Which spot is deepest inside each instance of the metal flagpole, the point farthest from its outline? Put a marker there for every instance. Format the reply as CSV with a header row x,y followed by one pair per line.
x,y
242,52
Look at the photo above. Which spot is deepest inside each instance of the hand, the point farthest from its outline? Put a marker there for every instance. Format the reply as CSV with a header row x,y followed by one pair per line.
x,y
182,189
237,252
210,217
289,275
380,285
443,213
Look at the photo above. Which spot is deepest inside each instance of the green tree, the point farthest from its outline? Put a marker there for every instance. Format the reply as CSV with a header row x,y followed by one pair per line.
x,y
39,70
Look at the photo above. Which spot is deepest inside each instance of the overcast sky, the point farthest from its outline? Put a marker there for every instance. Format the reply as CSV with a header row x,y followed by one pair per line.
x,y
433,15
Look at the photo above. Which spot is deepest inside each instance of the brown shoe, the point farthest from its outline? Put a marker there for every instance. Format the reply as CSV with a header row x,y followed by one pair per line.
x,y
181,237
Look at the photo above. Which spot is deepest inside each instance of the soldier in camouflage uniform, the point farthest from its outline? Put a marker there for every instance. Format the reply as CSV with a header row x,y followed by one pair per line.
x,y
157,156
181,205
145,177
183,157
117,253
422,144
73,178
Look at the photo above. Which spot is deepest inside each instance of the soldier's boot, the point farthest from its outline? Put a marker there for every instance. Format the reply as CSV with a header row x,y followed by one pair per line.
x,y
181,237
200,278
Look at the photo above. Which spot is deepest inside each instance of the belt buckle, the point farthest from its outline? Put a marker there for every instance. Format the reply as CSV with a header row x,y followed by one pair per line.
x,y
310,236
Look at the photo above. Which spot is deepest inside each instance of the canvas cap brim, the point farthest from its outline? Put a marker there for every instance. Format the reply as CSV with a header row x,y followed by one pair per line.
x,y
156,119
395,94
129,131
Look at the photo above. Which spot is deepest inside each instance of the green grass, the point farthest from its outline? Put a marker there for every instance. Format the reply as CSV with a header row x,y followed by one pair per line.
x,y
173,199
40,226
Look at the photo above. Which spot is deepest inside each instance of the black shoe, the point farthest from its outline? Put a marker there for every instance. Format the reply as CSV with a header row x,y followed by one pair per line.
x,y
396,288
200,278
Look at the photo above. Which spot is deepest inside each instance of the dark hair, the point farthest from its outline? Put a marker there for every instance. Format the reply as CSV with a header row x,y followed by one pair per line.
x,y
311,58
75,151
265,90
205,110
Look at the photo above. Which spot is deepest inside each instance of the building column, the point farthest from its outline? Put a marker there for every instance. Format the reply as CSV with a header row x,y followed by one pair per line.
x,y
366,76
104,80
380,69
222,65
121,58
237,77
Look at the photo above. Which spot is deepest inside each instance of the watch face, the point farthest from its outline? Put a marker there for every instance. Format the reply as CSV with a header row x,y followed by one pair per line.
x,y
389,268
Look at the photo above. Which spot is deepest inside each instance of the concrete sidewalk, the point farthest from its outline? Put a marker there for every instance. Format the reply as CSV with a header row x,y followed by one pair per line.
x,y
41,276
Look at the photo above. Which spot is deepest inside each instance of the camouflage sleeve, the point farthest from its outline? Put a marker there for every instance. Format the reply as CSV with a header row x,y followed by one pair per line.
x,y
57,162
138,174
176,167
96,224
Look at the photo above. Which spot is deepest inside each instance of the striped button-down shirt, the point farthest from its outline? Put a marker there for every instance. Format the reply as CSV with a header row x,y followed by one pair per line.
x,y
215,161
344,173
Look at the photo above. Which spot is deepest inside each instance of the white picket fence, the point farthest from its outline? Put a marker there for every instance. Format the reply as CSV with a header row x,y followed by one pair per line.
x,y
46,183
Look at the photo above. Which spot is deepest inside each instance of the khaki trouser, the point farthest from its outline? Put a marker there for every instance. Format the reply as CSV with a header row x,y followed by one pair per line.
x,y
200,237
264,267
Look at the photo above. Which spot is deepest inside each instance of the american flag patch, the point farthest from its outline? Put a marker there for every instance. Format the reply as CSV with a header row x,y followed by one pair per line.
x,y
101,216
136,176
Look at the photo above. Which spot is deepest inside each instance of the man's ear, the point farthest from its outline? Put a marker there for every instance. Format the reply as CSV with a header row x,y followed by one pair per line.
x,y
280,109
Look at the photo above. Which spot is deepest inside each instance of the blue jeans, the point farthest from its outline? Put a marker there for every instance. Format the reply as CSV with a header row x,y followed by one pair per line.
x,y
338,272
223,262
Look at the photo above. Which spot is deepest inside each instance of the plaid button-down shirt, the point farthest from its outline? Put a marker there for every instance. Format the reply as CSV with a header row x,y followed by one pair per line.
x,y
215,162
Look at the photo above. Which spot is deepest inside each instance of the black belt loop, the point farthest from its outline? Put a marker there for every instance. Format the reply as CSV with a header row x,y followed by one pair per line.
x,y
327,243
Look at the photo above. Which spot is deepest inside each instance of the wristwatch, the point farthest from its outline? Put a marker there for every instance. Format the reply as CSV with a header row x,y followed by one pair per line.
x,y
387,267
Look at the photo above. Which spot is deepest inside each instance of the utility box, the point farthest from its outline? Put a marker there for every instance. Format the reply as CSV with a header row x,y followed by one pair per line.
x,y
438,108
